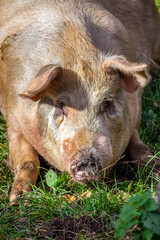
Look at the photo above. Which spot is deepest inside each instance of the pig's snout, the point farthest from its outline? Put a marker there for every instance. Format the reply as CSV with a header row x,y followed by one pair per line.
x,y
85,167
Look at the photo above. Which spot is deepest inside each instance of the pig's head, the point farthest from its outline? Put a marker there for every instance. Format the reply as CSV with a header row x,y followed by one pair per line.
x,y
84,115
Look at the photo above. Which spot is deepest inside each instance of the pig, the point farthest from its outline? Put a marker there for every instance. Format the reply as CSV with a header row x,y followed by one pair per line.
x,y
72,75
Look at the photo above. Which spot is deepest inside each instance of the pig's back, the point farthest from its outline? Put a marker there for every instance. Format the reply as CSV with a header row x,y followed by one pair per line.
x,y
35,33
17,14
142,21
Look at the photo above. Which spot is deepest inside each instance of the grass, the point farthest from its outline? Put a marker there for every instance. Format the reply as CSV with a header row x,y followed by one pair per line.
x,y
30,220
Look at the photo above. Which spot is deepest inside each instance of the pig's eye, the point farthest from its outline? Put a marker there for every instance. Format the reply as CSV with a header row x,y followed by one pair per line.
x,y
109,107
60,109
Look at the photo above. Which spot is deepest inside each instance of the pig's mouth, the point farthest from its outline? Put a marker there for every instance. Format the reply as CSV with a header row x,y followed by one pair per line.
x,y
85,167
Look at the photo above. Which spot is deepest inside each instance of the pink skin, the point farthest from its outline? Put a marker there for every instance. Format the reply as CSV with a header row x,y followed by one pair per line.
x,y
101,154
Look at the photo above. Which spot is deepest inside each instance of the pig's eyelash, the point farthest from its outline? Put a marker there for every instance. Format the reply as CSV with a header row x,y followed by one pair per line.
x,y
60,104
109,106
61,109
109,98
108,102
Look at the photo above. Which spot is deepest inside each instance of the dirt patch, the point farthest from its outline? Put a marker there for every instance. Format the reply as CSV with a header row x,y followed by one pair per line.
x,y
68,228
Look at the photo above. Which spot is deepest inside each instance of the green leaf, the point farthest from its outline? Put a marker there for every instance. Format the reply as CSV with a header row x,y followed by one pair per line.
x,y
143,234
132,223
121,224
51,178
147,233
139,200
119,233
128,212
137,235
152,222
151,205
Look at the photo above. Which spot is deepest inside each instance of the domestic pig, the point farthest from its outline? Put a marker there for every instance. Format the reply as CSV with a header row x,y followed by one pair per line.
x,y
71,79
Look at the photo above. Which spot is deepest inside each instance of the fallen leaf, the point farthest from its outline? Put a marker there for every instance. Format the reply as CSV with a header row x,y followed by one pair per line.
x,y
86,194
70,198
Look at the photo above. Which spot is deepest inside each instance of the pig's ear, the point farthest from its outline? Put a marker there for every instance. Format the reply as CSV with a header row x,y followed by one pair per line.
x,y
38,85
132,75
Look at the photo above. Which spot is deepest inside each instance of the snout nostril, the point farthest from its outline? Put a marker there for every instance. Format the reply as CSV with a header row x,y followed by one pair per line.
x,y
85,166
81,164
99,165
78,164
95,164
88,162
92,164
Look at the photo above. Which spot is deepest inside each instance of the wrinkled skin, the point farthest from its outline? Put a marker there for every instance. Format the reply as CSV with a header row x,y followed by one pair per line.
x,y
72,75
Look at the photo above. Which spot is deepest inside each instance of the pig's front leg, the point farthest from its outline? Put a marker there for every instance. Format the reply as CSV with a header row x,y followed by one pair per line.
x,y
140,153
24,162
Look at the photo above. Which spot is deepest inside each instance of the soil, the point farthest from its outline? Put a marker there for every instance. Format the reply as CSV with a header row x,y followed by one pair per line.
x,y
68,228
